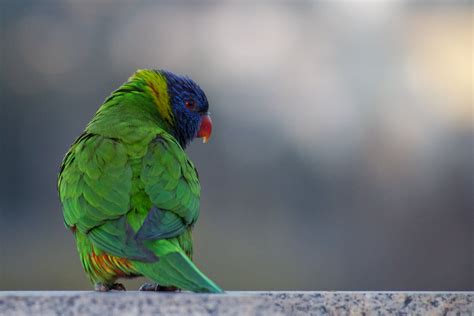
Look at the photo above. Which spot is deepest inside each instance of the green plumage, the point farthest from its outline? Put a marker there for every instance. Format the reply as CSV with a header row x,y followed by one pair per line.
x,y
129,192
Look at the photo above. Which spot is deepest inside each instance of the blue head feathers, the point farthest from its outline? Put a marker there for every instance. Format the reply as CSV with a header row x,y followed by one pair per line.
x,y
188,103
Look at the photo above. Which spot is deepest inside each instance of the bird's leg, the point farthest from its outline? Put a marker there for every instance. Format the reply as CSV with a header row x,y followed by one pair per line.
x,y
155,287
118,287
102,287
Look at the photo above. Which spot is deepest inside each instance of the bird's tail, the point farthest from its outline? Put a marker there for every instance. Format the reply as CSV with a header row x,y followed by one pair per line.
x,y
174,268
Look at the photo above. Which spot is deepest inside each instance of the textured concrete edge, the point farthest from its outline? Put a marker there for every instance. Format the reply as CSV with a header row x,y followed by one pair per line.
x,y
241,303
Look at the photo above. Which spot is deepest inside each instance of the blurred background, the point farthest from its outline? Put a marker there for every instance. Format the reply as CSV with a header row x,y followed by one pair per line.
x,y
342,151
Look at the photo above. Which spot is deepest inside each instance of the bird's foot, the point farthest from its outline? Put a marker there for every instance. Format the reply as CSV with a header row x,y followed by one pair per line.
x,y
102,287
154,287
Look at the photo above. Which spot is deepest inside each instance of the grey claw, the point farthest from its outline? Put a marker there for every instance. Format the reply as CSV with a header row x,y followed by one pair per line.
x,y
151,287
101,287
118,287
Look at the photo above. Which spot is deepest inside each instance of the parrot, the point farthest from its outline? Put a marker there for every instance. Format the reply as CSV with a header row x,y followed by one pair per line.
x,y
129,193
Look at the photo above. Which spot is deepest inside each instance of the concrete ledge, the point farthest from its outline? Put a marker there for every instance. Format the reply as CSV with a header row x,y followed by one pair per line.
x,y
236,303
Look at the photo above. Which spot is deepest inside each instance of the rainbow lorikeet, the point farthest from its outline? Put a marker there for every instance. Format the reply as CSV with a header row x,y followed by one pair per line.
x,y
130,195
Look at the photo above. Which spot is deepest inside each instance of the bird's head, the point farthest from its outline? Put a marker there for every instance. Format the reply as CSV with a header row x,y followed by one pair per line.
x,y
189,107
180,102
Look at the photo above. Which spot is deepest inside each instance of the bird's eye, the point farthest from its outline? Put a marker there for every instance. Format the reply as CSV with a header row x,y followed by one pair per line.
x,y
190,105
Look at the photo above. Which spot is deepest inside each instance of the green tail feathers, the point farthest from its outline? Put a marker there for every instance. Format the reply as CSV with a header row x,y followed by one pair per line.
x,y
176,269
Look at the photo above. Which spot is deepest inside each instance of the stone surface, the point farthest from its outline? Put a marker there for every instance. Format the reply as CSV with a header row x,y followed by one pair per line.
x,y
236,303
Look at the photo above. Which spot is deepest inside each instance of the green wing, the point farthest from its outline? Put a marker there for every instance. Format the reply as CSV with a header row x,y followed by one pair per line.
x,y
94,187
172,183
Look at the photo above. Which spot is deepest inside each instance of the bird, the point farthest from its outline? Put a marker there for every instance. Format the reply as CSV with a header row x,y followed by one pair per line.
x,y
129,193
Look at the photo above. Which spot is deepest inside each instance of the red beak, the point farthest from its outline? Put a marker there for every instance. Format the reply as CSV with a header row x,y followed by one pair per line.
x,y
205,129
